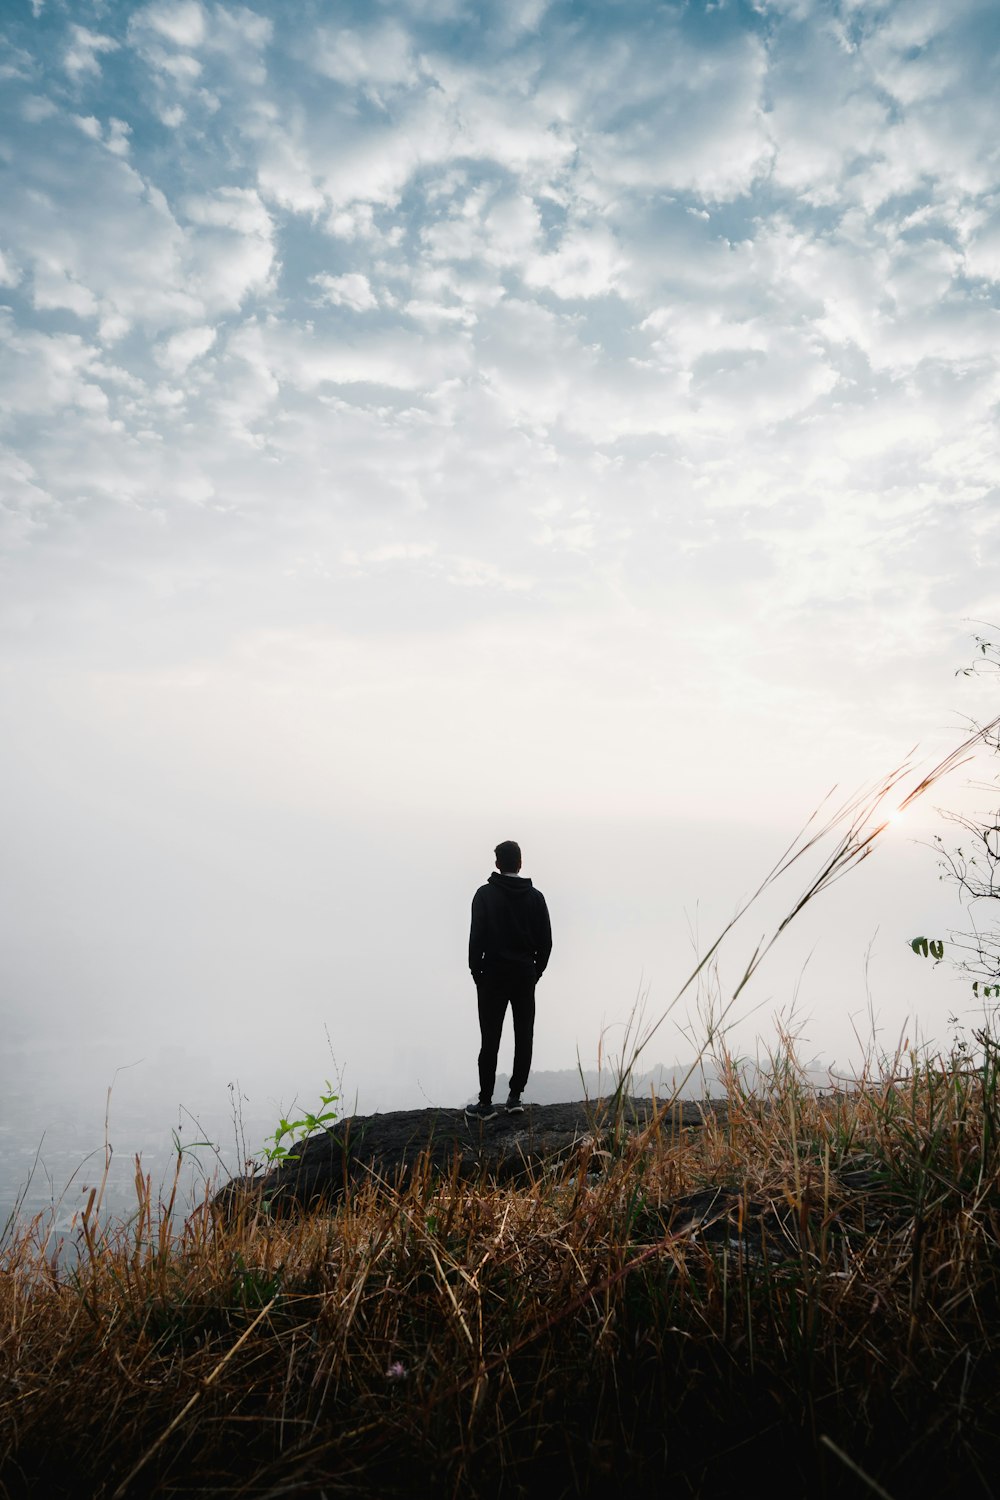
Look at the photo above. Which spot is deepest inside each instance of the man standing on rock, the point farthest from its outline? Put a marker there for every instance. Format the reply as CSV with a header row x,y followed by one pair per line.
x,y
509,946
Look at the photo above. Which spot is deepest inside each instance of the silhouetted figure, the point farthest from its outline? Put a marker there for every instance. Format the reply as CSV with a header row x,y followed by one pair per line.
x,y
509,946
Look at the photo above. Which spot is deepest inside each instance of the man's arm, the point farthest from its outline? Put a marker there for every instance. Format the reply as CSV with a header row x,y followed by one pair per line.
x,y
543,939
477,935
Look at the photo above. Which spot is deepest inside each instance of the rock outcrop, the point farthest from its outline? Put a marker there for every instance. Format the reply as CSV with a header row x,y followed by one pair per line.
x,y
387,1147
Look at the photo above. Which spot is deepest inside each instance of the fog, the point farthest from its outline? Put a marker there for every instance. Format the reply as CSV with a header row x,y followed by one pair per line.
x,y
211,958
219,890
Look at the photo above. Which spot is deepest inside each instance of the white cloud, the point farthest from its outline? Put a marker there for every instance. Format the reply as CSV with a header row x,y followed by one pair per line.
x,y
202,59
391,552
99,227
117,139
695,120
587,263
180,67
982,249
350,290
481,573
454,568
55,287
300,358
23,501
381,55
324,155
661,308
238,30
496,229
84,51
438,312
233,255
10,274
102,242
48,372
37,107
512,228
239,209
181,349
285,173
516,17
182,23
355,222
89,125
922,273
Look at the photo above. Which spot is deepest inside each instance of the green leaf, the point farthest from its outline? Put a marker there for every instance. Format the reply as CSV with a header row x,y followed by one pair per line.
x,y
299,1129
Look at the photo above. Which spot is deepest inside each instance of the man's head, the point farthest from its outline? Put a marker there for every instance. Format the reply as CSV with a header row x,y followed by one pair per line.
x,y
508,857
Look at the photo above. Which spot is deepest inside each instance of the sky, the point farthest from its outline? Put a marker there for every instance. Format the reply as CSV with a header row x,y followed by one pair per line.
x,y
430,422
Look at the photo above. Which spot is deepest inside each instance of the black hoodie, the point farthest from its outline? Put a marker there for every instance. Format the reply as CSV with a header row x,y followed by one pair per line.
x,y
510,928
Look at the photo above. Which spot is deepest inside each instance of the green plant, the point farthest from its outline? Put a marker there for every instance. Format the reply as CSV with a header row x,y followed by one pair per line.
x,y
973,864
297,1131
928,948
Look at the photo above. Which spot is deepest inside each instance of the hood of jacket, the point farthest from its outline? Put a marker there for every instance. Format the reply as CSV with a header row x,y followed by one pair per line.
x,y
513,885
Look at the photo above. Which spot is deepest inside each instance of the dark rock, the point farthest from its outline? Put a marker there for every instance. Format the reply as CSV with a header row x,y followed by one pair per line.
x,y
387,1147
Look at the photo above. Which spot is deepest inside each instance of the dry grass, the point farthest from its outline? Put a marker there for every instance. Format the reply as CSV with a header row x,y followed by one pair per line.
x,y
806,1292
802,1297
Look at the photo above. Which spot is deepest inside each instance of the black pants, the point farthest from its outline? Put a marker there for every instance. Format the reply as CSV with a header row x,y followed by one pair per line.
x,y
496,992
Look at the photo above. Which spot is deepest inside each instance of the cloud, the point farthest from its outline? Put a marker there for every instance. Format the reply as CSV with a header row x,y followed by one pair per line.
x,y
239,209
23,501
702,128
10,274
200,59
377,57
233,253
446,310
982,247
181,23
328,153
55,287
304,359
84,51
350,290
103,242
587,263
285,173
178,352
115,138
48,372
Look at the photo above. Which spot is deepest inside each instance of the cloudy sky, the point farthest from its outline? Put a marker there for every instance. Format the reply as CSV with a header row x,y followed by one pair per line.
x,y
428,422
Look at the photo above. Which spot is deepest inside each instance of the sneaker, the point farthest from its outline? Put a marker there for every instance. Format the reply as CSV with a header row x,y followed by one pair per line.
x,y
480,1111
514,1105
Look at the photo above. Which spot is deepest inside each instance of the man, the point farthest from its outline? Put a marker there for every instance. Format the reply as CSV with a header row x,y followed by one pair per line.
x,y
509,946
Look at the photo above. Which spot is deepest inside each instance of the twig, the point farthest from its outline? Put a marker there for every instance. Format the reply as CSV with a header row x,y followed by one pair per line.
x,y
849,1463
120,1491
